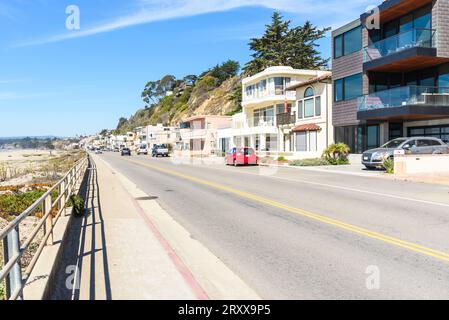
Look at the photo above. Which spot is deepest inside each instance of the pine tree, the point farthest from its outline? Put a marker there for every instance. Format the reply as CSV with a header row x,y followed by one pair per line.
x,y
284,46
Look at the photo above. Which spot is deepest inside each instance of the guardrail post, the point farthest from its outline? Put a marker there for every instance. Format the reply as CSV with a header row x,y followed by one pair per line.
x,y
62,200
49,222
11,249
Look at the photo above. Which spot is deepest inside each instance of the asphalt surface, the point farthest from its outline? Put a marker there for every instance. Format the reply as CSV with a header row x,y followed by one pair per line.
x,y
295,234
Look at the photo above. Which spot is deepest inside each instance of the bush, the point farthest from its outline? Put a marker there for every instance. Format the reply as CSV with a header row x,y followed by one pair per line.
x,y
77,203
15,204
2,291
310,162
282,159
337,154
388,165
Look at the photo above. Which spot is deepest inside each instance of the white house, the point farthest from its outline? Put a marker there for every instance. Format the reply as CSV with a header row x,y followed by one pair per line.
x,y
266,103
160,134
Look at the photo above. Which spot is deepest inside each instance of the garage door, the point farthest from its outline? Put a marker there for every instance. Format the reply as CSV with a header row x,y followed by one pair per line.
x,y
440,132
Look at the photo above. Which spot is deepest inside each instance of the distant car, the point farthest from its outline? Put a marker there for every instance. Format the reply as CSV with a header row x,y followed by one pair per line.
x,y
241,156
160,151
116,149
126,152
374,158
143,149
98,151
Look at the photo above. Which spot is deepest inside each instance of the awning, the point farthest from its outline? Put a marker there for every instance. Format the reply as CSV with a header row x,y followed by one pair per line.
x,y
307,127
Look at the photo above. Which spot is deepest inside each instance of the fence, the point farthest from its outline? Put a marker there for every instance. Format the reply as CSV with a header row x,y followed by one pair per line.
x,y
11,272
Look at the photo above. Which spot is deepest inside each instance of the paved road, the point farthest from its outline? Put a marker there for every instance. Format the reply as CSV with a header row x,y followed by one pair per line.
x,y
296,234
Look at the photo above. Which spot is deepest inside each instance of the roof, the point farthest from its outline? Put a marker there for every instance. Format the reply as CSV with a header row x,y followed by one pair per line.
x,y
307,127
205,117
310,81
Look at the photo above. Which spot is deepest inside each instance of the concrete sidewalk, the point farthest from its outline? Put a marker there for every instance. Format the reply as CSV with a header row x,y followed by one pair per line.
x,y
116,253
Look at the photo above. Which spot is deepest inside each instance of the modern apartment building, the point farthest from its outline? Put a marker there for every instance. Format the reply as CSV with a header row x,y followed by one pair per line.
x,y
392,81
267,104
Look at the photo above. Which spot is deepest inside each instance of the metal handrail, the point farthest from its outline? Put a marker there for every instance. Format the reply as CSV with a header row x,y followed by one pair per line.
x,y
13,250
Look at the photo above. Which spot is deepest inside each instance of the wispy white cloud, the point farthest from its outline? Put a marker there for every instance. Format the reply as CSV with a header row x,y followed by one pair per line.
x,y
148,11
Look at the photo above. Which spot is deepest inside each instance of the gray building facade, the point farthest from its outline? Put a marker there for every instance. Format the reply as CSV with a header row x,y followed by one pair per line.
x,y
391,74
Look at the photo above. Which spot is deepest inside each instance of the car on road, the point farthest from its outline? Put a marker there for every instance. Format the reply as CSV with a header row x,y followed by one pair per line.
x,y
98,151
160,151
374,158
126,152
241,156
142,149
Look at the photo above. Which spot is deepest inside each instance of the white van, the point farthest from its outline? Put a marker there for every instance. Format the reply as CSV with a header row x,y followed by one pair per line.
x,y
142,149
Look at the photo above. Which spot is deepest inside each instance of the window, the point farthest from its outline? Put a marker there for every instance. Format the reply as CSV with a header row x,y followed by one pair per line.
x,y
352,41
318,106
301,141
348,42
308,93
338,46
338,90
309,108
300,109
280,108
348,88
306,141
353,87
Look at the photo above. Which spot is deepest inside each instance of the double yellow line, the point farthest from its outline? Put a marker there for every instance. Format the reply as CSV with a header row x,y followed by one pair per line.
x,y
329,221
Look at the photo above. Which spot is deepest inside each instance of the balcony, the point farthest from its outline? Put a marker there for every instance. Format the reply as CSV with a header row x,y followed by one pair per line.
x,y
274,94
263,121
192,134
283,119
406,51
409,102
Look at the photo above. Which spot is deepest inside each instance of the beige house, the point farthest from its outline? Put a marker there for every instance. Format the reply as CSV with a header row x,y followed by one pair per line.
x,y
306,129
198,135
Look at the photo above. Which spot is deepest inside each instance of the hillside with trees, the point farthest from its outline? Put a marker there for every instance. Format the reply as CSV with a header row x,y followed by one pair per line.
x,y
218,91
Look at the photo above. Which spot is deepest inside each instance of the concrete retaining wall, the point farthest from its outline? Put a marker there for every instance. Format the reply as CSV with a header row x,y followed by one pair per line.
x,y
421,164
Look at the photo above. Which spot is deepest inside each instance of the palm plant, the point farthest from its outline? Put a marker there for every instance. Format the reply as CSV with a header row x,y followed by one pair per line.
x,y
337,153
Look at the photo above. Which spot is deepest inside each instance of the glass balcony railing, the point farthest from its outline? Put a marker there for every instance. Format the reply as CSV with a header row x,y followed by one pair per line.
x,y
405,96
424,38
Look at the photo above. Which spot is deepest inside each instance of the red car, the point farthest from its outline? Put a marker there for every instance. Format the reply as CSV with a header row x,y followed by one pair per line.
x,y
242,156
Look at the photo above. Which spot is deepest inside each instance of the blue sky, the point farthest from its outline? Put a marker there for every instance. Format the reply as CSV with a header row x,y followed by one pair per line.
x,y
62,82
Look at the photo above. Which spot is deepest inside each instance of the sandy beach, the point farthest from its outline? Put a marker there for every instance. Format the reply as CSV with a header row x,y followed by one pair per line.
x,y
32,155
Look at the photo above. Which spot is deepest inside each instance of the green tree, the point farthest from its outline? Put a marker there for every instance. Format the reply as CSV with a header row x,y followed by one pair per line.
x,y
121,123
225,71
282,45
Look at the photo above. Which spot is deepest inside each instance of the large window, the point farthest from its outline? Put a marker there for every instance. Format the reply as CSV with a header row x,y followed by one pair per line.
x,y
348,42
348,88
310,106
264,116
306,141
419,19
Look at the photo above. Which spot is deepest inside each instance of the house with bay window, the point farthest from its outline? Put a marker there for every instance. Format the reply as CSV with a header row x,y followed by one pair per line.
x,y
392,79
306,130
267,104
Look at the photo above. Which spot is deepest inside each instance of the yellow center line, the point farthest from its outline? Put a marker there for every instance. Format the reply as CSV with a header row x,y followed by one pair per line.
x,y
342,225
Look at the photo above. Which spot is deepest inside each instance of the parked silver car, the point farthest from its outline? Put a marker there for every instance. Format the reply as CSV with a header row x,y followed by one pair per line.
x,y
419,145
